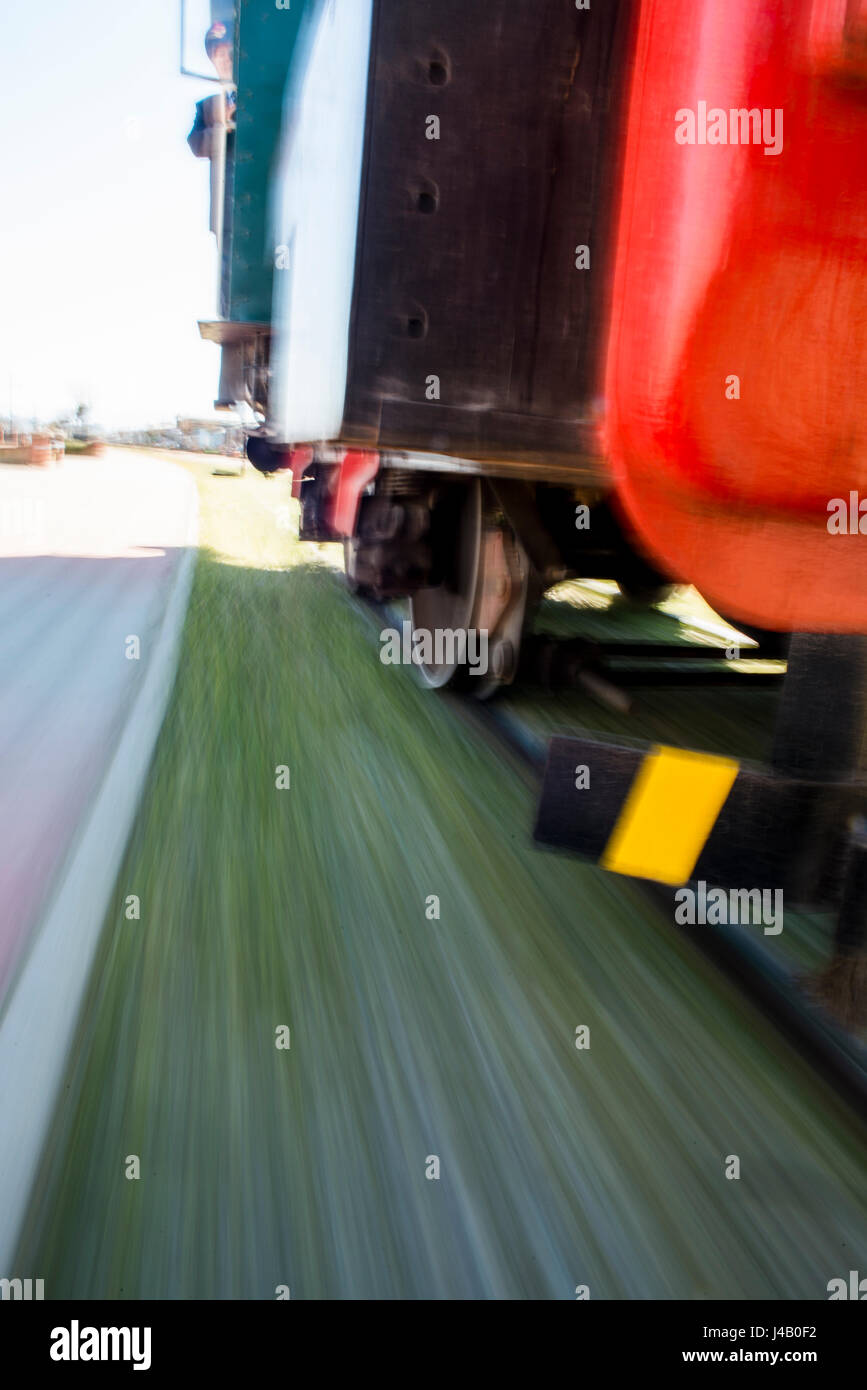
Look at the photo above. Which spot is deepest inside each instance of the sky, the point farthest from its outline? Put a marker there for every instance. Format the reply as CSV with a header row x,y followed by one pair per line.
x,y
106,261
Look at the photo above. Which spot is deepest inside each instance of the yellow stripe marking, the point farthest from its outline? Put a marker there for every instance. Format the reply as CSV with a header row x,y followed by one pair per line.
x,y
671,809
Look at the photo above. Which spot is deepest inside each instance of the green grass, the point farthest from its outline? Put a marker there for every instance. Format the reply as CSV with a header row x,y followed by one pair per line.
x,y
409,1036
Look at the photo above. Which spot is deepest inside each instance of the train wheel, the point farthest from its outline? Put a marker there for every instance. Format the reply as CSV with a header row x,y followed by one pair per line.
x,y
484,589
450,605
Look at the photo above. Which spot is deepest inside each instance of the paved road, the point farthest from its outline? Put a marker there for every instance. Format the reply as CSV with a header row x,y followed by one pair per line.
x,y
88,553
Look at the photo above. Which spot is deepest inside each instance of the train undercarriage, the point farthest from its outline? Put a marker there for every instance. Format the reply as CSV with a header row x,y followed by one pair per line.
x,y
472,552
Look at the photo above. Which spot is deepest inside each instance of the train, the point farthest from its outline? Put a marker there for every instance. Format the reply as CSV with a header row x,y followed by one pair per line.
x,y
558,290
568,289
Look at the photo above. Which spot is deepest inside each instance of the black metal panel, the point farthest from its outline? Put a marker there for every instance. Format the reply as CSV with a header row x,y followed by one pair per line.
x,y
466,252
772,831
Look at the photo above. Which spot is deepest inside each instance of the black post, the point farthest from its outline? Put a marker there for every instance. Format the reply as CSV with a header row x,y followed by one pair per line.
x,y
821,735
821,732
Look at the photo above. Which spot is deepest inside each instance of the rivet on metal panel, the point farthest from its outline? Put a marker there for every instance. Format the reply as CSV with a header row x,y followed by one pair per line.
x,y
438,72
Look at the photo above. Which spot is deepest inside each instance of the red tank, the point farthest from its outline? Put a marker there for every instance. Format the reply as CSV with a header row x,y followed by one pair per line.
x,y
736,378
